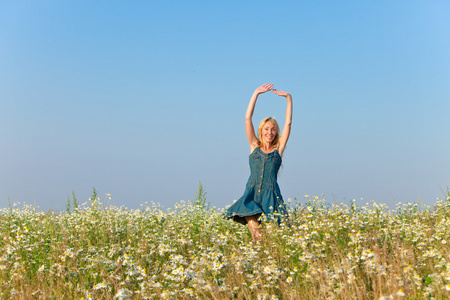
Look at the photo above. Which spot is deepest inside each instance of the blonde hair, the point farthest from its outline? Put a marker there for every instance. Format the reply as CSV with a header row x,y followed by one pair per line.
x,y
276,140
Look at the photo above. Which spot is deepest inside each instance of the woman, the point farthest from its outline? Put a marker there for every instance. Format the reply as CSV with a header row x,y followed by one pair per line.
x,y
262,194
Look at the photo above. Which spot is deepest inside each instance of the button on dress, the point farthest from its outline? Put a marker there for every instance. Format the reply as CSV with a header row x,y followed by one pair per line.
x,y
262,194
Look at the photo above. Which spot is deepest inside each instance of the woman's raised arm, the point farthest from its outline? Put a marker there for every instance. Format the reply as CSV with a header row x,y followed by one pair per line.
x,y
287,125
249,129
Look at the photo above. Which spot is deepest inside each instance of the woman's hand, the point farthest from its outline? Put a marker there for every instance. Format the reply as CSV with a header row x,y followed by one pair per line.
x,y
281,93
264,88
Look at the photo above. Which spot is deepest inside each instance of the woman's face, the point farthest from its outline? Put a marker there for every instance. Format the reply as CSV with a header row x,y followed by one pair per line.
x,y
269,131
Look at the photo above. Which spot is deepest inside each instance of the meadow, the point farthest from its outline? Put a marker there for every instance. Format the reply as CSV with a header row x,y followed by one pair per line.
x,y
324,251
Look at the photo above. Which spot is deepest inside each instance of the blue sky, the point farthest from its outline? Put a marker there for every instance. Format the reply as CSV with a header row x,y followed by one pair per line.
x,y
144,99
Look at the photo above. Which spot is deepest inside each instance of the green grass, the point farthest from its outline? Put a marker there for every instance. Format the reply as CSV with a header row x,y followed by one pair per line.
x,y
326,251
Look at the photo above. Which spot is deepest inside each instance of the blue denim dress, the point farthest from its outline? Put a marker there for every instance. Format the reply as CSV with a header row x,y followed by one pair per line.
x,y
262,194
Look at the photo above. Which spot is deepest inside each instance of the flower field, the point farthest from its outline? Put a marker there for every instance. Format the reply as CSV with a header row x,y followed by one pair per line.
x,y
325,251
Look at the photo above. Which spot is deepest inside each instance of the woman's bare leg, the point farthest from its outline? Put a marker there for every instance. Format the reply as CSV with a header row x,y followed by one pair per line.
x,y
253,225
